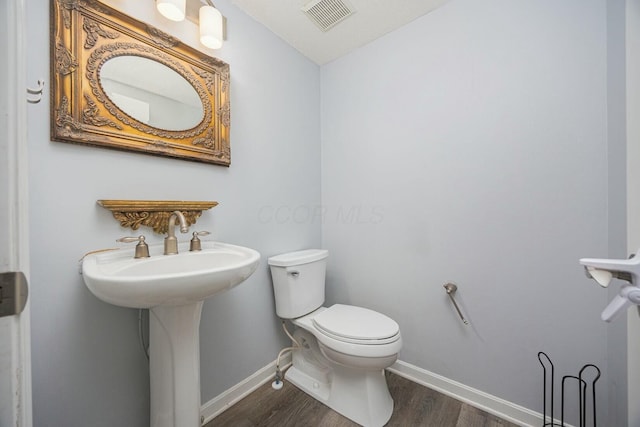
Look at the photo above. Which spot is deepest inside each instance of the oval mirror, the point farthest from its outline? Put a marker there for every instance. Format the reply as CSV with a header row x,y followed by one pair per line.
x,y
151,92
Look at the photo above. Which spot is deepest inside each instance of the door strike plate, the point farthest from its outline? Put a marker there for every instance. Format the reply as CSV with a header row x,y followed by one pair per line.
x,y
14,292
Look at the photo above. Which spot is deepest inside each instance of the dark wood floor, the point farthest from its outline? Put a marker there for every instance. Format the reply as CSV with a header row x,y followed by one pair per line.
x,y
415,405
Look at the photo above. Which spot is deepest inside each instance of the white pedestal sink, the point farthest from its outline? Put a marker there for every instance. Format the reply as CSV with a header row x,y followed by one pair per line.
x,y
173,287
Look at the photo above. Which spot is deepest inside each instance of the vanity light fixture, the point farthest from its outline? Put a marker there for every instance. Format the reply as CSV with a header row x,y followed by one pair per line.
x,y
211,26
175,10
209,19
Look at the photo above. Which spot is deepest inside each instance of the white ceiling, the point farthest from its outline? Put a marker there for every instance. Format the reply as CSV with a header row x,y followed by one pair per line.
x,y
372,19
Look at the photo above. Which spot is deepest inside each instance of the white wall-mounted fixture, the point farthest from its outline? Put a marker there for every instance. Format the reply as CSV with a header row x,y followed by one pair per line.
x,y
37,92
604,270
174,10
209,19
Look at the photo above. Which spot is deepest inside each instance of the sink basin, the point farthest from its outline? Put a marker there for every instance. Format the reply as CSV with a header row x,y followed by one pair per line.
x,y
117,278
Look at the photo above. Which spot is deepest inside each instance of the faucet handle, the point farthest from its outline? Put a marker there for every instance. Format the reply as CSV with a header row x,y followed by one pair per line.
x,y
195,241
142,249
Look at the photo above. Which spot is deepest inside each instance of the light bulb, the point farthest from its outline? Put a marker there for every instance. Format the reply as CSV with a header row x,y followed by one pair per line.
x,y
172,9
210,27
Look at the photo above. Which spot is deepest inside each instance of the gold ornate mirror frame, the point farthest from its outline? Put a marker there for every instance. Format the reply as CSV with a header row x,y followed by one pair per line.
x,y
85,34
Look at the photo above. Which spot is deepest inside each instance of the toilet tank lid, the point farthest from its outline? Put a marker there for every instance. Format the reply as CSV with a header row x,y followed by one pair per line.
x,y
298,258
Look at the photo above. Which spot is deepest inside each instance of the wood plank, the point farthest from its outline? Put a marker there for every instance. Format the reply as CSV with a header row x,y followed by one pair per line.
x,y
415,405
474,417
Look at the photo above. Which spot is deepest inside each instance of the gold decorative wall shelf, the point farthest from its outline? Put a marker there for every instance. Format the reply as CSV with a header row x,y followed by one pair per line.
x,y
153,213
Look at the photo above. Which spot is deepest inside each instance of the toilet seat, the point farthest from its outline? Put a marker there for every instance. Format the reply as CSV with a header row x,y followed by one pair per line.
x,y
356,325
375,348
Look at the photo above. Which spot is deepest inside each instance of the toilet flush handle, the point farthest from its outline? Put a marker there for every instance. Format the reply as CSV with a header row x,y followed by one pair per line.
x,y
293,273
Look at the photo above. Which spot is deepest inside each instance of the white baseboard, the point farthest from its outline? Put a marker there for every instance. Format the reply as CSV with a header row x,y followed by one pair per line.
x,y
223,401
494,405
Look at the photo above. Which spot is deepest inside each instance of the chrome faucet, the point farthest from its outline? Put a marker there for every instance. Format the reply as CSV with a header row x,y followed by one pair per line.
x,y
171,242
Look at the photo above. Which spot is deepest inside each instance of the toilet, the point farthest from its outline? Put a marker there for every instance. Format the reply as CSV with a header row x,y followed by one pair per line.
x,y
344,349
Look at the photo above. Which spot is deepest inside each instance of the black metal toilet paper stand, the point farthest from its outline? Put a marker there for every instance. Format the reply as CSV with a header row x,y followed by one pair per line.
x,y
583,387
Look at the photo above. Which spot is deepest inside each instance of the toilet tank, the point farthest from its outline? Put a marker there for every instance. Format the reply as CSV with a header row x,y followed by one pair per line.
x,y
298,281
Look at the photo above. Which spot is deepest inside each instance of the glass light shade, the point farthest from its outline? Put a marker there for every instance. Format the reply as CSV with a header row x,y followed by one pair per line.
x,y
172,9
210,27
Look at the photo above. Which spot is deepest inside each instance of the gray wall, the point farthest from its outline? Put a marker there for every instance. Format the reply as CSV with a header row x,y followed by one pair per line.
x,y
88,368
617,354
632,29
473,144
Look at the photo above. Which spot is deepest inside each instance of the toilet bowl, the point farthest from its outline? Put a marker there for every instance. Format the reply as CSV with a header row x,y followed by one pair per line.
x,y
343,349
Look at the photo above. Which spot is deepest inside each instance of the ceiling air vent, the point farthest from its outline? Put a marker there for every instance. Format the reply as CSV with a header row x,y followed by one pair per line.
x,y
327,13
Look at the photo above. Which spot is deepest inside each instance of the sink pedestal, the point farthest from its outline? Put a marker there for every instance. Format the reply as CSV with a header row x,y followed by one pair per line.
x,y
174,359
